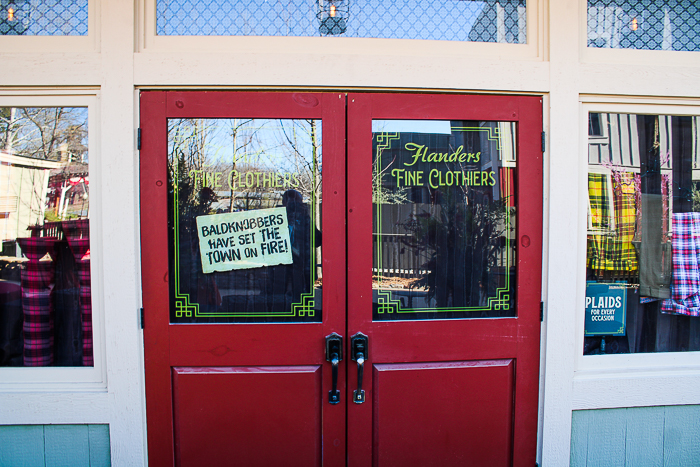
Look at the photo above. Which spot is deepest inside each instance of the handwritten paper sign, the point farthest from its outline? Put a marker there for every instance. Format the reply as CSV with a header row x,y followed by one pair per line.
x,y
244,240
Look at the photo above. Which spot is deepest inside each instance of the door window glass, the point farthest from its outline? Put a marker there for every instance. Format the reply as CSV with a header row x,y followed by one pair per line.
x,y
45,286
444,219
245,220
643,226
502,21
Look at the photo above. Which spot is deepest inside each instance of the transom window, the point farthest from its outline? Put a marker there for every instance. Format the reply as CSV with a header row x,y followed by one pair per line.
x,y
644,24
43,17
501,21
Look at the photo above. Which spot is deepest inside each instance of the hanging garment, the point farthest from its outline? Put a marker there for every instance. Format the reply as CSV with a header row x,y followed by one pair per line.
x,y
654,250
612,251
685,285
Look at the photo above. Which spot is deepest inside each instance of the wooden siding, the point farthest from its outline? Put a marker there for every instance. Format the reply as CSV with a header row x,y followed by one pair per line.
x,y
54,445
661,436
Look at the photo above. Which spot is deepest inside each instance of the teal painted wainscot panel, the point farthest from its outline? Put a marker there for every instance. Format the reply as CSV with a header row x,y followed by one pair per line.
x,y
54,446
665,436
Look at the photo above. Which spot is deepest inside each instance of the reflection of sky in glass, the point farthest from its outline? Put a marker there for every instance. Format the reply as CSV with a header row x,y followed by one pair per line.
x,y
277,145
412,126
44,17
460,20
43,132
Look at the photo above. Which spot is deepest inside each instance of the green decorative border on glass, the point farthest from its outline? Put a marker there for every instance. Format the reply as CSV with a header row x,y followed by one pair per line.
x,y
386,302
183,306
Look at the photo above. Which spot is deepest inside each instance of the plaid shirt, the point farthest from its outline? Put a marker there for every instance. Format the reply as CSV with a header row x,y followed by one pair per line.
x,y
612,252
685,284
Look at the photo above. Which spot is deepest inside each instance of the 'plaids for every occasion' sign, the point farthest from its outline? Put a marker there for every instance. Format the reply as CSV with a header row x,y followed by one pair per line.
x,y
244,240
605,309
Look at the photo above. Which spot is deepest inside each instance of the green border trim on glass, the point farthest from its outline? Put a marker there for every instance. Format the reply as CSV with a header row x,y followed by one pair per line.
x,y
184,307
387,303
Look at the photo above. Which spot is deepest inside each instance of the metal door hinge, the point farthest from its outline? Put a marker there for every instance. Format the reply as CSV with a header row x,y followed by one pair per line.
x,y
138,139
141,319
541,311
543,140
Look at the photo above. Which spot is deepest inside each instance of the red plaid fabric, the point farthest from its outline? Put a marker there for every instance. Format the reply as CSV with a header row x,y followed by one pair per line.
x,y
37,275
36,248
685,283
37,304
37,327
76,229
86,311
79,246
84,272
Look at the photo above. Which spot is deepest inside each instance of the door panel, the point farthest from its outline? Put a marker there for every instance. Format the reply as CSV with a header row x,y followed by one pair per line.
x,y
204,320
443,414
402,313
217,415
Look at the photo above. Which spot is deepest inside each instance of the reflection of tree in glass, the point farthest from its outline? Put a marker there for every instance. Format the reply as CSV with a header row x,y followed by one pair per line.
x,y
301,137
242,150
51,133
464,240
229,165
58,134
383,192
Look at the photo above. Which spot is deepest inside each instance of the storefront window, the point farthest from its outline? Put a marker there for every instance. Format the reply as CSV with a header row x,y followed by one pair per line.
x,y
643,249
245,220
502,21
644,24
45,285
43,17
444,219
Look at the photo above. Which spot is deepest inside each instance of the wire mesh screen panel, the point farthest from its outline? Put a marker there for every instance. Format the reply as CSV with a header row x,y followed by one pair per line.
x,y
644,24
43,17
453,20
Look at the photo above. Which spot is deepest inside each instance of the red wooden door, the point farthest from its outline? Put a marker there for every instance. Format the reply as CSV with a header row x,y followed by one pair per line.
x,y
236,370
444,242
434,257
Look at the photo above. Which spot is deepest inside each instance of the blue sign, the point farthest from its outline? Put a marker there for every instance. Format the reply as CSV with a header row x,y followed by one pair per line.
x,y
606,306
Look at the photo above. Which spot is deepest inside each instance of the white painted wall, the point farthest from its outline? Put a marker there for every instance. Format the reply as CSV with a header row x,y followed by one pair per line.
x,y
106,69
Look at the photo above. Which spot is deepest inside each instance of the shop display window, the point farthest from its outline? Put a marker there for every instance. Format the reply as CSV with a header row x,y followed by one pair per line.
x,y
45,284
644,24
43,17
502,21
643,234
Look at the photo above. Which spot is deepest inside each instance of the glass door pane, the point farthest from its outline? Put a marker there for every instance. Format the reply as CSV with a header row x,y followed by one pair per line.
x,y
245,220
444,205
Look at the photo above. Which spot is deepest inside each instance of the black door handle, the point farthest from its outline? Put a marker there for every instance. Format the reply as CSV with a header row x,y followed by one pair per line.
x,y
334,354
359,349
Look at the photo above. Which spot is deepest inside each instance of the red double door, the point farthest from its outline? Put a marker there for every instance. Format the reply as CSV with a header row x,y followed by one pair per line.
x,y
419,271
